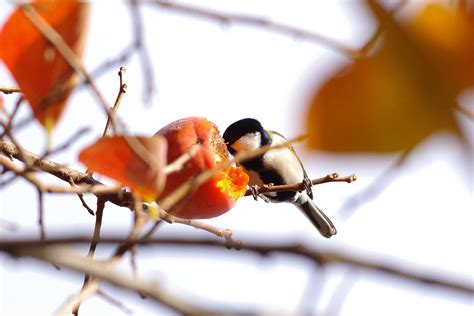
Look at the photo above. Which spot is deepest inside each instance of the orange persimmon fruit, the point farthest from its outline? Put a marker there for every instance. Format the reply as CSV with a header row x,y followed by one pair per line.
x,y
215,196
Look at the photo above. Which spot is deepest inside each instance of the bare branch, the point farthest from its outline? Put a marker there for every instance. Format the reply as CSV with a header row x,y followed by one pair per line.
x,y
370,44
174,198
93,245
115,302
41,214
118,100
121,198
146,65
377,185
46,165
9,90
317,256
67,143
8,126
229,18
71,260
333,177
98,189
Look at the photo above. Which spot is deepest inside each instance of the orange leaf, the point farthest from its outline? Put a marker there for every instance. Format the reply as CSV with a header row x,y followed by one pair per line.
x,y
387,102
446,36
136,162
43,75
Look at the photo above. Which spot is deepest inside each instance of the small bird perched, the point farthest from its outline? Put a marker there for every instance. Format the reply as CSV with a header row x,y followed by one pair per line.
x,y
277,166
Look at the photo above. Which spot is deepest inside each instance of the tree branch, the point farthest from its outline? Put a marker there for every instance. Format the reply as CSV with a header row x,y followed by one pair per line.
x,y
333,177
9,90
317,256
73,261
229,18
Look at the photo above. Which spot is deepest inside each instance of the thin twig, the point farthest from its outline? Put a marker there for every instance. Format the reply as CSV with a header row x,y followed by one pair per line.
x,y
67,143
84,204
115,302
93,245
66,307
91,286
81,198
333,177
9,90
342,291
41,214
146,64
370,44
118,100
8,127
229,18
226,234
377,185
178,164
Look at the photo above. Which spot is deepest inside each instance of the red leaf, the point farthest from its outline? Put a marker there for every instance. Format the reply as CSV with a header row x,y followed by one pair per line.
x,y
43,75
136,162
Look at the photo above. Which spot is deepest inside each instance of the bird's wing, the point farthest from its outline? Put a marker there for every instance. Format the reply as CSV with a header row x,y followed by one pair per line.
x,y
293,150
310,193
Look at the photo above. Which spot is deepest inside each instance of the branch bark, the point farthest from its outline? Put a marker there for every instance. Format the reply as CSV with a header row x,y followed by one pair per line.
x,y
317,256
72,260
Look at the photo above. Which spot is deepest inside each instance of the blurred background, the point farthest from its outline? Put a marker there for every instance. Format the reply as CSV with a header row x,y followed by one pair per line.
x,y
416,216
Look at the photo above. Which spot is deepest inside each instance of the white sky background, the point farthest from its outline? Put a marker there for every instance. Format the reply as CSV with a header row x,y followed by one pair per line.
x,y
423,220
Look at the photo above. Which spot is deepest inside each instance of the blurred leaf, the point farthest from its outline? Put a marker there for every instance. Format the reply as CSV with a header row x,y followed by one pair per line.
x,y
136,162
43,75
407,90
447,38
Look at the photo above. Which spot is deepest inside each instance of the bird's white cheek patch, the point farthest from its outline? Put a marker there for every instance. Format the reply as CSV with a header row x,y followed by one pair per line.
x,y
247,142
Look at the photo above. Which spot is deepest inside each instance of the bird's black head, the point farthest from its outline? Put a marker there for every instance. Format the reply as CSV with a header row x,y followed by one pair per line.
x,y
247,128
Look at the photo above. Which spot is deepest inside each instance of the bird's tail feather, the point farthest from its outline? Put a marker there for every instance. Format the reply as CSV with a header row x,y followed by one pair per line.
x,y
317,217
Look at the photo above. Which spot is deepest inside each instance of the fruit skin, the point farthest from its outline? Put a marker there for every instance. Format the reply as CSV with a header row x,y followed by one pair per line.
x,y
216,196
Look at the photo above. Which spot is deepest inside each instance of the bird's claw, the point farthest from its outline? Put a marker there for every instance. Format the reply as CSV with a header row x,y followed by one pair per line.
x,y
264,198
308,184
256,194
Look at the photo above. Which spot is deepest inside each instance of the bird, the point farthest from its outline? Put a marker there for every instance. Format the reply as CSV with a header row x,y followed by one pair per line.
x,y
279,166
